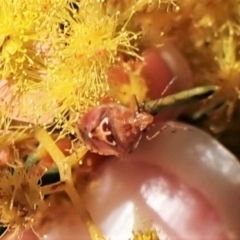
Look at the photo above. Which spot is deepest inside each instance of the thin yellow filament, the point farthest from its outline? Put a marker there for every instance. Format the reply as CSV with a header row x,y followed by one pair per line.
x,y
65,166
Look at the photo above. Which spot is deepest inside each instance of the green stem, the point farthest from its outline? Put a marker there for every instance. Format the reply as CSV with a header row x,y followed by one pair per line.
x,y
34,158
178,99
50,177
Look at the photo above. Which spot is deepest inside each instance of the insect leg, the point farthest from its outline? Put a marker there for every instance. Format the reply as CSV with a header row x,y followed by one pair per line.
x,y
157,133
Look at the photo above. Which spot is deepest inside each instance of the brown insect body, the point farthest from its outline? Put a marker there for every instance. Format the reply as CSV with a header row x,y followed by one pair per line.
x,y
112,129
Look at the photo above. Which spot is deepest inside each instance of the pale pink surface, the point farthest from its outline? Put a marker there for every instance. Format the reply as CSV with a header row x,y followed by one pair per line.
x,y
138,192
184,183
32,100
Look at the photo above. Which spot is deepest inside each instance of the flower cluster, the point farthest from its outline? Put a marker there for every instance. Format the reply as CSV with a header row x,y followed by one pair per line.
x,y
55,60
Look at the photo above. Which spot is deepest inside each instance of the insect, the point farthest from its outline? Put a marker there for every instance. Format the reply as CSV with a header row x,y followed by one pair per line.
x,y
114,129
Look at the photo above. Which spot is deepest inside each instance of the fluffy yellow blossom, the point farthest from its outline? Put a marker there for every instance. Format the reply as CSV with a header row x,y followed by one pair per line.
x,y
24,25
207,33
59,57
19,198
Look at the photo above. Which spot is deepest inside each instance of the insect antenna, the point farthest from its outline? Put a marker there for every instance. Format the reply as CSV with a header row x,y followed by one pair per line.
x,y
168,86
158,101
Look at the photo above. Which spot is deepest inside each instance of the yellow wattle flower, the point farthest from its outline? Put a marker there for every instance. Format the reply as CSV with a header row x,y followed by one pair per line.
x,y
20,197
59,56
